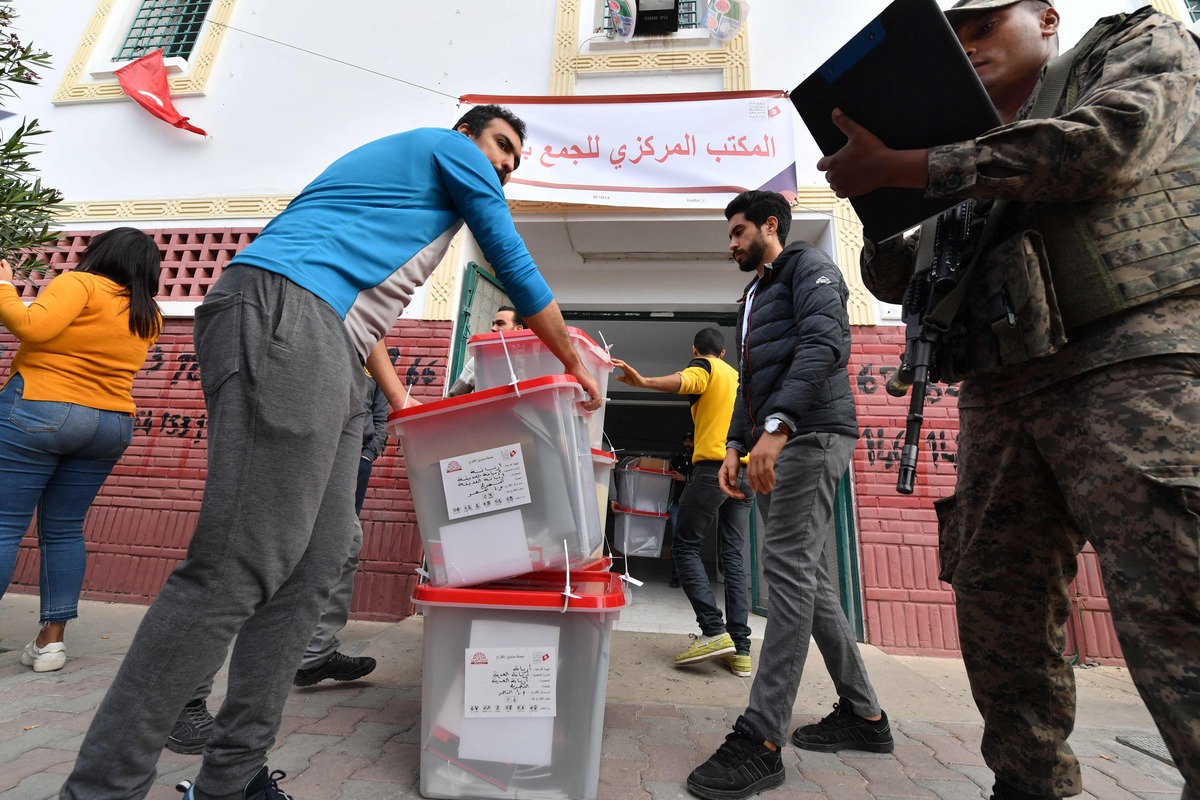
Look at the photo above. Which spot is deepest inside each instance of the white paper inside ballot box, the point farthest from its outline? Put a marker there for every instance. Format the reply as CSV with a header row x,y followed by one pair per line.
x,y
482,548
502,734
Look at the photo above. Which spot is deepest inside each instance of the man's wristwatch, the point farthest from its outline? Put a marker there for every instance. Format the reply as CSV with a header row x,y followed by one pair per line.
x,y
776,425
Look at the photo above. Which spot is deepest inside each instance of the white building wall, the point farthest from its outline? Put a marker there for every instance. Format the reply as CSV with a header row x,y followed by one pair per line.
x,y
277,116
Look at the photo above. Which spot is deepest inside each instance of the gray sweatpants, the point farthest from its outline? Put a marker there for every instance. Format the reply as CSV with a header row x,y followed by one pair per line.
x,y
283,387
803,601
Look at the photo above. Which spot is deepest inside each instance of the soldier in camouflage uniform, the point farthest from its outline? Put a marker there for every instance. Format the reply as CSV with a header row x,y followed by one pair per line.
x,y
1088,429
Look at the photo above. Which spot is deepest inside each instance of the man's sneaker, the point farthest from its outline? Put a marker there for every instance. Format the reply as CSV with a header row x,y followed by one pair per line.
x,y
336,668
192,729
705,648
263,786
45,659
845,730
741,767
1002,791
738,663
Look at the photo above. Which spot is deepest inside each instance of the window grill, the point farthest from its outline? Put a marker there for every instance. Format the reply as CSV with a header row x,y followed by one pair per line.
x,y
1193,9
689,16
173,25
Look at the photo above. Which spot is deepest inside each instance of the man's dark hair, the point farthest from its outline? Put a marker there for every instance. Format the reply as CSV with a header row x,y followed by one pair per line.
x,y
757,206
517,321
709,342
480,117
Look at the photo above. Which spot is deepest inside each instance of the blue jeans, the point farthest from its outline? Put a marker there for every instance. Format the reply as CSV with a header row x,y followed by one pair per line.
x,y
53,458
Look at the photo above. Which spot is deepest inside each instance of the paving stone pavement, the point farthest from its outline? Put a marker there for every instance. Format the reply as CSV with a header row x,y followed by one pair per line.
x,y
361,740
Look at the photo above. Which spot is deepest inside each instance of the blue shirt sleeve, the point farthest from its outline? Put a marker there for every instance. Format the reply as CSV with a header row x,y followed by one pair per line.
x,y
476,193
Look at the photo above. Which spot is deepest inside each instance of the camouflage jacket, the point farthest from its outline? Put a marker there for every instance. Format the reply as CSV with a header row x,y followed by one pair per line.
x,y
1127,155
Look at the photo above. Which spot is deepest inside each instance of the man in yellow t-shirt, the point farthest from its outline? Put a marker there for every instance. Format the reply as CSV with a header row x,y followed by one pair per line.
x,y
711,386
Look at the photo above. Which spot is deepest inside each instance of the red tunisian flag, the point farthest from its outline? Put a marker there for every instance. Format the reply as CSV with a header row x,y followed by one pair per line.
x,y
145,80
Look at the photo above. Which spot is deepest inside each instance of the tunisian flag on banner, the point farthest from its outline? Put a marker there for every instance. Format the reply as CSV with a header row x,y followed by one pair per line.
x,y
145,80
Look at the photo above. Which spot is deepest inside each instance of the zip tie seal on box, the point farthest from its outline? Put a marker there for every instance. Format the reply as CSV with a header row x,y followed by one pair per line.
x,y
566,592
627,578
512,373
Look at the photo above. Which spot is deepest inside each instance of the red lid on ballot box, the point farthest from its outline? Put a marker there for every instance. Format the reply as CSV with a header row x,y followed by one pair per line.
x,y
592,591
580,339
620,510
542,384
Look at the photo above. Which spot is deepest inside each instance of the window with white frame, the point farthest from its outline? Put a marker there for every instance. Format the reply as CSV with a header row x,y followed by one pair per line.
x,y
173,25
659,17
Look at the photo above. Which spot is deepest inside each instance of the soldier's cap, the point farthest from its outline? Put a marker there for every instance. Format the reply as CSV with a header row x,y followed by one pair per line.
x,y
963,7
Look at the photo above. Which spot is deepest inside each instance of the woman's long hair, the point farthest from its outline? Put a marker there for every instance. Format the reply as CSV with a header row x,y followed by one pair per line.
x,y
131,258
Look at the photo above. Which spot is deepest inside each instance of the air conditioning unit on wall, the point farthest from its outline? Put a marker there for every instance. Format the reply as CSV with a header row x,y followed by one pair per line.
x,y
656,17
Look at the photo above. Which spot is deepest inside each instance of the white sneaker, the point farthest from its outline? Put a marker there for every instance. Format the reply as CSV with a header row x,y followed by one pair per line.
x,y
45,659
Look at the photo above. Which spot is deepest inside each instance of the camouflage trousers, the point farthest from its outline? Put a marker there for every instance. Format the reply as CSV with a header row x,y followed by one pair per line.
x,y
1111,457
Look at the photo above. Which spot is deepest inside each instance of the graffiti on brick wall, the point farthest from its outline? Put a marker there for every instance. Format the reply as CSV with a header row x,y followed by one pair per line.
x,y
884,444
419,370
872,379
173,423
170,423
185,368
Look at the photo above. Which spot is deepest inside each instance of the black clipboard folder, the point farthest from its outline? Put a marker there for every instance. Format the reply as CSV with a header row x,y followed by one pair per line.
x,y
905,78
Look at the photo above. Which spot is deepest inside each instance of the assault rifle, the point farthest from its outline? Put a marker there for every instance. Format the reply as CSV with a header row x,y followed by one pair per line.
x,y
943,259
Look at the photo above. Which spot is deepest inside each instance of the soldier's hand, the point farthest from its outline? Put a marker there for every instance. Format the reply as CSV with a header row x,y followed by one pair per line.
x,y
865,163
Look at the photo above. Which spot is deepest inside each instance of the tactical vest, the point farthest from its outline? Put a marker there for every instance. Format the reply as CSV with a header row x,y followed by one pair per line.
x,y
1111,254
1049,269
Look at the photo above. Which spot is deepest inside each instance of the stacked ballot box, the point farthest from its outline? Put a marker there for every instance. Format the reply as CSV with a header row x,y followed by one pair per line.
x,y
515,675
504,357
643,501
503,481
510,498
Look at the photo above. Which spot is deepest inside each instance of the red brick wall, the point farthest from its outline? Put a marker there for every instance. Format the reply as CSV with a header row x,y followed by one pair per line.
x,y
907,609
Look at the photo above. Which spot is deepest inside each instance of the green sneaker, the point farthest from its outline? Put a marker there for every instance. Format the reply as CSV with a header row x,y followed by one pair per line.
x,y
705,648
738,663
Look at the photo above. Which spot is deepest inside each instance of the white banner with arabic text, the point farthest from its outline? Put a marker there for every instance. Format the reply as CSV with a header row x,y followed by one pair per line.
x,y
652,151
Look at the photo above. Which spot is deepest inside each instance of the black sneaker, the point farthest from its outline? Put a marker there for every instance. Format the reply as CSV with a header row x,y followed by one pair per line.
x,y
845,730
1002,791
337,668
191,730
263,786
741,767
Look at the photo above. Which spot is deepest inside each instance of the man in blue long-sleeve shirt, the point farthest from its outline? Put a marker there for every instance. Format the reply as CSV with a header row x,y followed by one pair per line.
x,y
282,338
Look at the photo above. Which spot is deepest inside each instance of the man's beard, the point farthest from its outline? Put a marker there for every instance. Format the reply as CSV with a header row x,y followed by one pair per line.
x,y
754,256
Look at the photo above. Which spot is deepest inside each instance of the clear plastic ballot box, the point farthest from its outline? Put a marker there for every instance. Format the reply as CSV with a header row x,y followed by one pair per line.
x,y
528,357
602,463
515,677
644,484
502,481
639,533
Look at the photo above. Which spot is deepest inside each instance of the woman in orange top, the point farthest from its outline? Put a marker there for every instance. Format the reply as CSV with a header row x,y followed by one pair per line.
x,y
66,412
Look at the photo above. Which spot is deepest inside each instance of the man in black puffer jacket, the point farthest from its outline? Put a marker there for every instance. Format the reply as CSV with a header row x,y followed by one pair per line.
x,y
795,416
